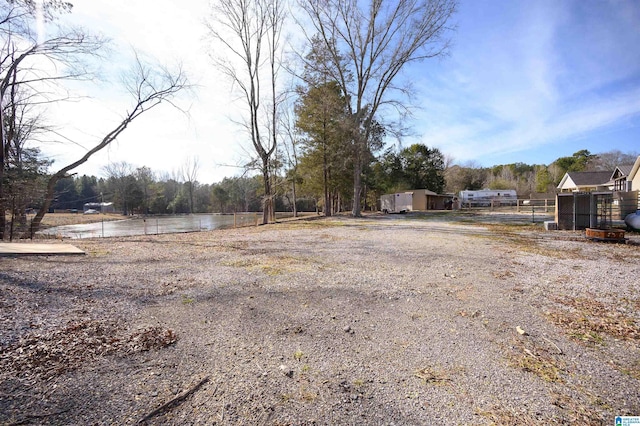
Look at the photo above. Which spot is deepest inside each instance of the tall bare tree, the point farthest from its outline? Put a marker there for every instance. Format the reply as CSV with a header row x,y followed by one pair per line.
x,y
370,43
291,148
609,160
189,173
250,31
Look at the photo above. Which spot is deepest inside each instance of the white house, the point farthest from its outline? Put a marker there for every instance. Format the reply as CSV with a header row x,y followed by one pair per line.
x,y
585,181
634,176
619,178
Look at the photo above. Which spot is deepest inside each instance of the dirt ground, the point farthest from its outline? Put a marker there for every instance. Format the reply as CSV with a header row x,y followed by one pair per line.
x,y
382,320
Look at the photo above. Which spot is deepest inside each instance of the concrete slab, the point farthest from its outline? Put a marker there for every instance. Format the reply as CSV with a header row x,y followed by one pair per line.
x,y
38,249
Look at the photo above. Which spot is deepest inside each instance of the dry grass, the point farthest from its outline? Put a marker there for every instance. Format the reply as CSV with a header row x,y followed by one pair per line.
x,y
276,265
533,246
583,410
588,318
433,376
503,275
530,357
577,411
511,228
59,219
502,416
55,352
574,412
624,253
632,369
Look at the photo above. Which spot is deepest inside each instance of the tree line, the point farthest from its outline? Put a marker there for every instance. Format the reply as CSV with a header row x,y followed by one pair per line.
x,y
529,179
141,191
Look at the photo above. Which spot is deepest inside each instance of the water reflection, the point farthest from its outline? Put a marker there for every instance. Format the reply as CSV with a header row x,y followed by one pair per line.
x,y
152,225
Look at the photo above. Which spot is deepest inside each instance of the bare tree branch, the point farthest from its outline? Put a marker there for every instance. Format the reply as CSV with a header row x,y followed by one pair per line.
x,y
149,87
34,64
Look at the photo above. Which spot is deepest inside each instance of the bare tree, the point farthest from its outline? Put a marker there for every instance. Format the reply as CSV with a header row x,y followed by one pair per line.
x,y
369,46
291,147
119,181
250,32
611,159
34,63
149,88
470,175
189,173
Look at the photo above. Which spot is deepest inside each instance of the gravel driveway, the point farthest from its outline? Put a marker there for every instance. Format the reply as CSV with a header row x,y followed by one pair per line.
x,y
382,320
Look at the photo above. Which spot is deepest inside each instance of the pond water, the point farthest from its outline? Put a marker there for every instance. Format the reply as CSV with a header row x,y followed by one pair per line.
x,y
153,225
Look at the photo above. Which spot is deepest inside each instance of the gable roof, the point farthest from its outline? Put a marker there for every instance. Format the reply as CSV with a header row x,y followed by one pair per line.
x,y
590,178
623,170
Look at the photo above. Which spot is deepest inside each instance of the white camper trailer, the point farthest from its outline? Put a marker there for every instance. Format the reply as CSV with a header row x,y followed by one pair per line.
x,y
489,197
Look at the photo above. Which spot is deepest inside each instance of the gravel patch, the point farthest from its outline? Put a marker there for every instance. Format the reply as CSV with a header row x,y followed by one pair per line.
x,y
332,321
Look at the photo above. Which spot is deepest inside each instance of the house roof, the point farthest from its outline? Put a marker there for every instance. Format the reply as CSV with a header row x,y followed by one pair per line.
x,y
575,180
624,170
590,178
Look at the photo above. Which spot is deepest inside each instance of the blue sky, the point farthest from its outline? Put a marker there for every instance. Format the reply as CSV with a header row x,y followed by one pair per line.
x,y
525,81
532,81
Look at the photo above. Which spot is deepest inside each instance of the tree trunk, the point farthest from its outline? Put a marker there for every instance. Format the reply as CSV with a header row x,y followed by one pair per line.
x,y
13,220
51,187
357,187
364,196
3,219
267,203
328,209
293,190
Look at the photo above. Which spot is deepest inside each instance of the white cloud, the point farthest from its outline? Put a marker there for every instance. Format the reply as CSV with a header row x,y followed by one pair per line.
x,y
527,80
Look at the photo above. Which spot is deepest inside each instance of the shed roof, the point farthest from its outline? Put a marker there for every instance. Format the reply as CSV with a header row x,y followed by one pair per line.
x,y
424,191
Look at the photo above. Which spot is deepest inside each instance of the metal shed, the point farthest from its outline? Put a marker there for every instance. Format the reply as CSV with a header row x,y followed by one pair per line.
x,y
417,199
582,210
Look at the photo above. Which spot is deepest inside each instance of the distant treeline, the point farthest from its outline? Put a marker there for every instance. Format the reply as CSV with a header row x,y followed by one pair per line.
x,y
141,191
